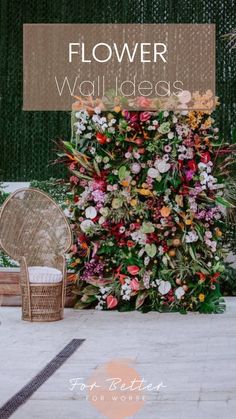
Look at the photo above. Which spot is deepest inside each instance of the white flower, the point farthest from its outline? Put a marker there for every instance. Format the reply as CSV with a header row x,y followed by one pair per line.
x,y
179,292
139,237
170,135
67,213
162,166
86,225
146,260
191,237
153,173
90,212
189,153
135,168
164,287
97,110
202,166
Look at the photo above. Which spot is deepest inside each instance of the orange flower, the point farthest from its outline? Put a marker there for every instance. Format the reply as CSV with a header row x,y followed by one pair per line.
x,y
125,183
165,211
218,232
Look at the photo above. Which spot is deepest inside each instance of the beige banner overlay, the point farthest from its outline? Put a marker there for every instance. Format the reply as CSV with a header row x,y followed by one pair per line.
x,y
139,66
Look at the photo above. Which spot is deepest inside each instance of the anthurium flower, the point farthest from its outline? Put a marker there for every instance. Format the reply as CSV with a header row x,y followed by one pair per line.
x,y
133,269
179,292
205,157
164,287
134,284
111,301
145,116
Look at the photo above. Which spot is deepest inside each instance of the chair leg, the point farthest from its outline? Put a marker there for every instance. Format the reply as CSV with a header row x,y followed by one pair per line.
x,y
24,278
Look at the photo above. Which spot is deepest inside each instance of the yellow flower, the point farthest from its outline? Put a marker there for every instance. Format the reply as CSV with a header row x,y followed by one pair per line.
x,y
188,222
133,202
144,192
201,297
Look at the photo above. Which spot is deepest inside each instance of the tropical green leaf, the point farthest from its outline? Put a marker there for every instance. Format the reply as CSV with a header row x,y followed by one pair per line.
x,y
151,250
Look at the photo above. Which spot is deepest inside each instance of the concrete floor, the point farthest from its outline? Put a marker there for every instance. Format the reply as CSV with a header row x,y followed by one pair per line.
x,y
193,355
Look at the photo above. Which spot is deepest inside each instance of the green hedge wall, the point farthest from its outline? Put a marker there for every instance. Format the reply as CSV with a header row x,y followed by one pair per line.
x,y
26,137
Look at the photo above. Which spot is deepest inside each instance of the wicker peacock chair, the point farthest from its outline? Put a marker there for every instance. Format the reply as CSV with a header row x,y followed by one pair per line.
x,y
35,232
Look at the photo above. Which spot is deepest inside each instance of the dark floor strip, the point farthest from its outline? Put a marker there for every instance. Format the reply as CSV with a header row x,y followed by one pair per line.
x,y
26,392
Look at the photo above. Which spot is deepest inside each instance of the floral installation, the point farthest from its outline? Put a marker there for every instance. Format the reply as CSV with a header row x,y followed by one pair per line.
x,y
146,207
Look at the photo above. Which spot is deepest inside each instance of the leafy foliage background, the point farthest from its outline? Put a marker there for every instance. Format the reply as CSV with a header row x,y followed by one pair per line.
x,y
26,137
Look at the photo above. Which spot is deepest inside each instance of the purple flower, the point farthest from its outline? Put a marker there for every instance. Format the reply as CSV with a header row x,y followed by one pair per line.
x,y
98,196
93,268
189,174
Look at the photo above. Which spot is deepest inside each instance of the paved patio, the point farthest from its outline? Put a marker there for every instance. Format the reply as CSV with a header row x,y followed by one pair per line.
x,y
193,355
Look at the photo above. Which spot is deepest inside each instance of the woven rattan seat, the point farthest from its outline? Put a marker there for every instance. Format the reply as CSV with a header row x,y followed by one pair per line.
x,y
35,232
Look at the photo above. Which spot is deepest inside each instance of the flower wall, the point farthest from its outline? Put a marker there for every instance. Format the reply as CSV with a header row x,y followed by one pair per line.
x,y
145,207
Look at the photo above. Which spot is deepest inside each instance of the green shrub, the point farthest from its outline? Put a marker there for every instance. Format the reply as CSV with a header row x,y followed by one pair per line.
x,y
56,189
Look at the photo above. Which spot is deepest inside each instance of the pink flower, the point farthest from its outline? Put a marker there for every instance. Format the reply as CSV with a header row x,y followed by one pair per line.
x,y
189,174
98,184
167,148
127,115
111,301
145,116
134,284
74,179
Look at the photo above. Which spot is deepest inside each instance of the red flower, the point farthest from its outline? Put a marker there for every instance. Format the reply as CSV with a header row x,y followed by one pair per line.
x,y
130,243
192,165
133,269
215,276
111,301
102,139
202,276
205,157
